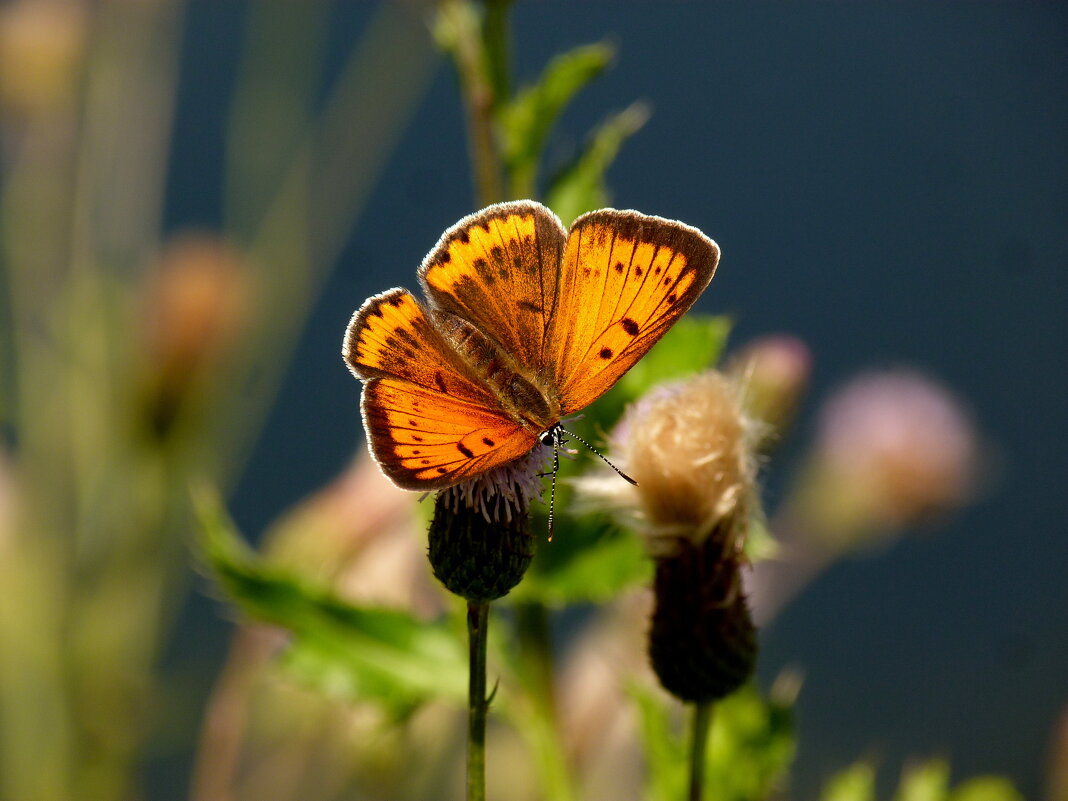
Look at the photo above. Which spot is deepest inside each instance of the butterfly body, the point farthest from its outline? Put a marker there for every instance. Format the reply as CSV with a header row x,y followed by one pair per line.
x,y
526,323
517,393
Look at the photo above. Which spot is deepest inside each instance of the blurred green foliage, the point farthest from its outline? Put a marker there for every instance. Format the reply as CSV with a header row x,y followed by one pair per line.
x,y
527,119
358,653
751,745
924,781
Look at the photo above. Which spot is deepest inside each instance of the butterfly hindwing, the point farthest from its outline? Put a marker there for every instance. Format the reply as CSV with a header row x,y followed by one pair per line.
x,y
497,269
625,278
424,439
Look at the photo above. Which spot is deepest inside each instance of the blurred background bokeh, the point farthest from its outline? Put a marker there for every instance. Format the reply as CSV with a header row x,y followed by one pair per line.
x,y
195,196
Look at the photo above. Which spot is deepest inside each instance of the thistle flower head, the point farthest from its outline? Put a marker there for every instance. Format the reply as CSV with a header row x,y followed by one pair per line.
x,y
197,300
690,448
41,44
897,447
501,493
480,542
195,306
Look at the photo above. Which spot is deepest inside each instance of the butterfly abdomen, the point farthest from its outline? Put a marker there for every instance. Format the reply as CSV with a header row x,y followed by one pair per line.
x,y
517,393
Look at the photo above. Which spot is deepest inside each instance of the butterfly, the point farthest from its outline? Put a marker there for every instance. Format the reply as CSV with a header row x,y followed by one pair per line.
x,y
525,323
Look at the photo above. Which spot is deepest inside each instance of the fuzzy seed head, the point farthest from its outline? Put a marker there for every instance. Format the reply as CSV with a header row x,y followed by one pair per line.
x,y
689,447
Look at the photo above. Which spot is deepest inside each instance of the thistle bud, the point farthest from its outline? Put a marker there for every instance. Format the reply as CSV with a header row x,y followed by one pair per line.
x,y
41,45
690,448
195,305
702,641
893,449
774,372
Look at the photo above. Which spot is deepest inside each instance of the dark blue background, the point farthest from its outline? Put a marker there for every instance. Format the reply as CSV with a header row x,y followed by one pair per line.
x,y
888,182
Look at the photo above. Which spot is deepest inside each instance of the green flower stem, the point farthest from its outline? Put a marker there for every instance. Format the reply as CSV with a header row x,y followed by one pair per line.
x,y
477,624
496,42
702,718
461,28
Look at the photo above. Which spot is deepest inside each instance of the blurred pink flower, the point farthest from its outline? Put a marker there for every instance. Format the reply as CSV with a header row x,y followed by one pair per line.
x,y
901,443
360,534
773,371
893,449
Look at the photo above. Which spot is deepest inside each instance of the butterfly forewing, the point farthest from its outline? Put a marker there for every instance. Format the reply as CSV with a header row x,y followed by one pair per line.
x,y
625,278
498,270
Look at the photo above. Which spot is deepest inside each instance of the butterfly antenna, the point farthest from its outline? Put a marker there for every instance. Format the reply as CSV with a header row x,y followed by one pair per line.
x,y
552,490
623,475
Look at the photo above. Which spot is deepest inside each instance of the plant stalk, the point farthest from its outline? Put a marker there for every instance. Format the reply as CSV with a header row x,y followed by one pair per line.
x,y
702,718
477,705
477,88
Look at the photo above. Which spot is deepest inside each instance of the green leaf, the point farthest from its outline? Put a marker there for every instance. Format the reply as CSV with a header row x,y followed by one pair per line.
x,y
357,652
855,783
693,344
526,121
580,186
595,573
928,781
750,747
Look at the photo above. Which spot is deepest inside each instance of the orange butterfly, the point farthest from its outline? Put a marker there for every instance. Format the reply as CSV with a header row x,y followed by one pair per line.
x,y
526,323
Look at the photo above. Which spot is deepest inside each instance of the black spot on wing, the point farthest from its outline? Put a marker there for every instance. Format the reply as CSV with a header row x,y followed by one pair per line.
x,y
630,326
606,353
531,307
470,454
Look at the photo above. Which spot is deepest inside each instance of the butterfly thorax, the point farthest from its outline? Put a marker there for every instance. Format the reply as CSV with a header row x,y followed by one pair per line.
x,y
518,394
